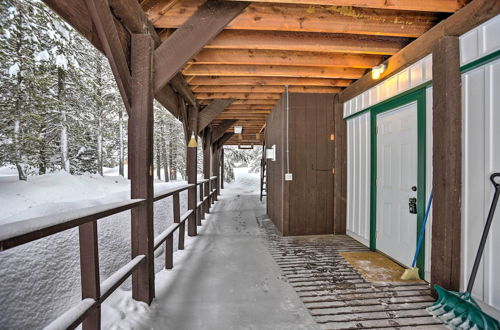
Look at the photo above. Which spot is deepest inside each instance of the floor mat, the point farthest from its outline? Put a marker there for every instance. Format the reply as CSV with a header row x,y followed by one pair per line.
x,y
375,267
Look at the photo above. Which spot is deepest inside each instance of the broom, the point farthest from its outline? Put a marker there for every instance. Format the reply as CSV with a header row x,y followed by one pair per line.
x,y
412,272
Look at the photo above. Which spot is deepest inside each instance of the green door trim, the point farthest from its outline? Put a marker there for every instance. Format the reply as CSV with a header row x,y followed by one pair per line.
x,y
420,98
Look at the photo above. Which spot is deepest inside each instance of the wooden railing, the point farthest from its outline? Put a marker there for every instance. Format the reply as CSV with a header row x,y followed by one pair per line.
x,y
88,310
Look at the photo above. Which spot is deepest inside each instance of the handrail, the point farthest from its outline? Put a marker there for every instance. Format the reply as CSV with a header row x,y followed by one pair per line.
x,y
21,232
166,193
25,231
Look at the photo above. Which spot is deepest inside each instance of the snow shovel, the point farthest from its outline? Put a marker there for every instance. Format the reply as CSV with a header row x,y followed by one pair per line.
x,y
458,309
412,272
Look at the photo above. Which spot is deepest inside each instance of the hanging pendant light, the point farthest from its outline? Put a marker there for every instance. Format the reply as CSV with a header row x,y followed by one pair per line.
x,y
192,143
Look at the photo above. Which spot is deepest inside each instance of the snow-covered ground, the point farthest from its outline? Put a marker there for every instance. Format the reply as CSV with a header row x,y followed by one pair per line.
x,y
41,280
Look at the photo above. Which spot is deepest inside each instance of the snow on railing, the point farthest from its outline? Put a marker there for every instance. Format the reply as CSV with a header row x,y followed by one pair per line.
x,y
94,292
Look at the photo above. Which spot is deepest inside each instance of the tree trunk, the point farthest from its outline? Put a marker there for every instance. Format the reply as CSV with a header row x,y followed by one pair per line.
x,y
121,160
61,88
99,107
163,145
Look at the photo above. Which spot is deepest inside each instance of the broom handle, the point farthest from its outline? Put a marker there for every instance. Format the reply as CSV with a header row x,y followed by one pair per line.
x,y
486,230
422,230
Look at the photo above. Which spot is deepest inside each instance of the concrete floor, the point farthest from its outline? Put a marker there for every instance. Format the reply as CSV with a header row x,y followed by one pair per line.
x,y
228,279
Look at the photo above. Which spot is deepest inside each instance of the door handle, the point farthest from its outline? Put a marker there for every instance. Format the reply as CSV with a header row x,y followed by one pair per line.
x,y
412,205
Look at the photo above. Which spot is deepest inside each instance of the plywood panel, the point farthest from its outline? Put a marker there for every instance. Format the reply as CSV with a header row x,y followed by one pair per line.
x,y
358,178
481,157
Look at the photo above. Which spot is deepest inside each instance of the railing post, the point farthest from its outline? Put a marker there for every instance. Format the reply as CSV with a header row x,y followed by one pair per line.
x,y
177,219
169,252
202,205
141,164
89,270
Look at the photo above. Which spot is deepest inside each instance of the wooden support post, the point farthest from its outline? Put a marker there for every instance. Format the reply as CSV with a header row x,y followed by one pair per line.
x,y
169,252
177,219
447,163
340,169
191,166
213,185
217,173
206,166
222,167
141,164
89,269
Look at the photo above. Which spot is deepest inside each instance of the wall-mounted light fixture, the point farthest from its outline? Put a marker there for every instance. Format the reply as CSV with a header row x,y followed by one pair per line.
x,y
377,71
192,142
238,129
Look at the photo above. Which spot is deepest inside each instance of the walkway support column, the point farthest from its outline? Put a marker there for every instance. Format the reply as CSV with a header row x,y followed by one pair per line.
x,y
340,169
206,166
215,170
221,167
191,168
140,146
447,163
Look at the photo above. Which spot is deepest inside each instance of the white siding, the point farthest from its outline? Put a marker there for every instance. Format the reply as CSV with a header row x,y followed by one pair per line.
x,y
411,77
481,157
480,41
358,178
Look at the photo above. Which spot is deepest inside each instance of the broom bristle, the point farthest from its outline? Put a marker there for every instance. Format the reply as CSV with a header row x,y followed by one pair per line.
x,y
410,274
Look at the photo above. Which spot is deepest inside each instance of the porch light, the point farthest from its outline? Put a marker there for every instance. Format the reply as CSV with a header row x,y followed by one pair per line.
x,y
377,71
192,143
238,129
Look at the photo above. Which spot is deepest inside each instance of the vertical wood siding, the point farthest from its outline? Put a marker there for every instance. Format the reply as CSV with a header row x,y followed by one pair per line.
x,y
358,178
481,157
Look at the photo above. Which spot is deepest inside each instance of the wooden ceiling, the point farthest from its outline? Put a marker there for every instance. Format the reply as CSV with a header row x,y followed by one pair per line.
x,y
313,46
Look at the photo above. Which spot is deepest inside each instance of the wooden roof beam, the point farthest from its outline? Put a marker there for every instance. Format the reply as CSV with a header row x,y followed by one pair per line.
x,y
247,102
282,57
293,17
112,46
220,142
472,15
447,6
306,41
219,130
241,96
264,89
267,81
211,111
274,71
198,29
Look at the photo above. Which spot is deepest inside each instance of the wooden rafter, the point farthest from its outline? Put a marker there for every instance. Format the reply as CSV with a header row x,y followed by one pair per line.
x,y
220,142
412,5
264,89
211,111
202,26
232,96
292,17
305,41
267,81
274,71
247,101
281,57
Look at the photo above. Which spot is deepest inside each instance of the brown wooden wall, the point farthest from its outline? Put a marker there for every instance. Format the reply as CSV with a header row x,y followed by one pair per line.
x,y
303,206
275,134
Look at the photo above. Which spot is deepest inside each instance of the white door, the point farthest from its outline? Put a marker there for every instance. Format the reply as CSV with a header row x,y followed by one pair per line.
x,y
397,155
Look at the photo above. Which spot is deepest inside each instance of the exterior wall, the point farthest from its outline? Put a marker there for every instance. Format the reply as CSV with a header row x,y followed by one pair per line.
x,y
358,178
411,77
481,157
303,206
275,135
311,162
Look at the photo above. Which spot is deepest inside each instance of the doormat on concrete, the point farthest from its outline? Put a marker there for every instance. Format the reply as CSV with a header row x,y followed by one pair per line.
x,y
375,267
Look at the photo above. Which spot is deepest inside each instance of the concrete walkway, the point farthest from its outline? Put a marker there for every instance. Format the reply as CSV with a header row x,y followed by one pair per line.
x,y
227,278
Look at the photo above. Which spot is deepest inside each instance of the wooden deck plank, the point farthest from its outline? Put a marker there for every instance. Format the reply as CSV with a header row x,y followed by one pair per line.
x,y
336,294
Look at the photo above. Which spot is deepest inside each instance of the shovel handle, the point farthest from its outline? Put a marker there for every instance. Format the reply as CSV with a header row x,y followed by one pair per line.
x,y
486,230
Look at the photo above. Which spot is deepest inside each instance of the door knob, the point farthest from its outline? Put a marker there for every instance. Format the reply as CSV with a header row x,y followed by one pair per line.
x,y
414,188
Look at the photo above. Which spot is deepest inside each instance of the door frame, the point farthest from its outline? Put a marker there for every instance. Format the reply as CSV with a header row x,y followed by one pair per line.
x,y
415,95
